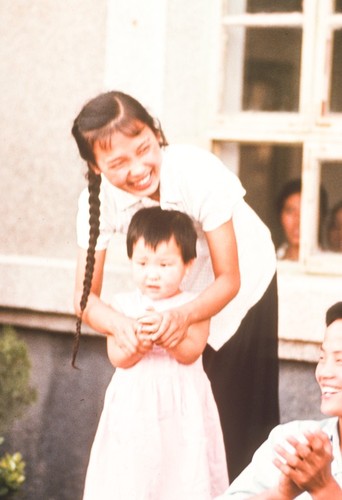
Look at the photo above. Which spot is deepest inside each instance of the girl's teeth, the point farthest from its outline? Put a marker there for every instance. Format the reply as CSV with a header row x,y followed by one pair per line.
x,y
143,181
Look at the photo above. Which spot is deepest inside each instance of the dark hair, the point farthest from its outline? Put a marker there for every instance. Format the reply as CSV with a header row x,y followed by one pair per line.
x,y
333,313
156,225
332,225
332,217
98,120
294,186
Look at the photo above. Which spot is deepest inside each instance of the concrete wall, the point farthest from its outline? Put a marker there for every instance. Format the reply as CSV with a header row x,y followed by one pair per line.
x,y
56,432
52,59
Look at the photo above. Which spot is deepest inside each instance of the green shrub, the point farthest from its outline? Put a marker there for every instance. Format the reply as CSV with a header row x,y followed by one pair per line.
x,y
15,391
12,472
15,396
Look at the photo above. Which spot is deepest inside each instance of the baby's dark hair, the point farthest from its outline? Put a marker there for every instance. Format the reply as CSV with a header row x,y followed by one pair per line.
x,y
156,225
98,120
333,313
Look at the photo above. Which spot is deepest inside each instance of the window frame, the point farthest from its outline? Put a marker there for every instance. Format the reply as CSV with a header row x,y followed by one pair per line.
x,y
318,133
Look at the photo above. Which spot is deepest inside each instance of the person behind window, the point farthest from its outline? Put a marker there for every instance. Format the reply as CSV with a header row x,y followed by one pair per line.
x,y
288,208
334,230
302,458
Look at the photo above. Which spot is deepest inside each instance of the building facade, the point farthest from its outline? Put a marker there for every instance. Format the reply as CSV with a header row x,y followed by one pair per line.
x,y
257,82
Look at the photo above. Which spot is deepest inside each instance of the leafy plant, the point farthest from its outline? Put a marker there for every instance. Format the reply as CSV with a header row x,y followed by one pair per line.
x,y
12,472
15,391
15,396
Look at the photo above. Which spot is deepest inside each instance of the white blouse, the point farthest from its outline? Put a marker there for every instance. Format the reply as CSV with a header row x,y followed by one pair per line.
x,y
195,181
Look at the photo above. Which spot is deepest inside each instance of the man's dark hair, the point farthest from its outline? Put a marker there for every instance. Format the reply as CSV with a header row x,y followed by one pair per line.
x,y
333,313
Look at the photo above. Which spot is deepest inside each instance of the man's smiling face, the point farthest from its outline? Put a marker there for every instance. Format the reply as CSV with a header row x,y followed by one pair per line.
x,y
329,370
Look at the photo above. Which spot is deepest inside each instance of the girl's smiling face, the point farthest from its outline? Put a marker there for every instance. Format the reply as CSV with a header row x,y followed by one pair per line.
x,y
131,163
158,272
329,370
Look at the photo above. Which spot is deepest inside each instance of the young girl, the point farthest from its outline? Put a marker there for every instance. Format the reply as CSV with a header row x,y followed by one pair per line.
x,y
130,166
159,435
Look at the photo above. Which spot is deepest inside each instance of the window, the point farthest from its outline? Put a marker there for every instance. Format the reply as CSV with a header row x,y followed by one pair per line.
x,y
278,114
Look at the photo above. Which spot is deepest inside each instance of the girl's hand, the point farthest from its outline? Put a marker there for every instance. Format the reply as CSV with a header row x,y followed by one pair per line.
x,y
172,329
309,468
124,330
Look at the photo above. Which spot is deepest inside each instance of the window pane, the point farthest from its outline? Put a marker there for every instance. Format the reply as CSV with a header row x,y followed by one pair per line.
x,y
264,170
262,69
338,5
331,175
336,75
254,6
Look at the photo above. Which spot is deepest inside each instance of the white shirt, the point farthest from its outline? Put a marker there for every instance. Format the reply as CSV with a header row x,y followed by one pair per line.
x,y
194,181
261,475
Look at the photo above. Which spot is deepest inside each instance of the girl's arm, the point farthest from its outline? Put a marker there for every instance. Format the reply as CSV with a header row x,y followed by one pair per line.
x,y
100,316
224,257
192,346
120,358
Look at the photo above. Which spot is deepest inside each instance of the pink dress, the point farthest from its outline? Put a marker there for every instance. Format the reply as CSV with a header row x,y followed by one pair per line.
x,y
159,435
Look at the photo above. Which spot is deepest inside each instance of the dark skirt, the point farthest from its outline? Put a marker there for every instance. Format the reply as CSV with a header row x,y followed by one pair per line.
x,y
244,377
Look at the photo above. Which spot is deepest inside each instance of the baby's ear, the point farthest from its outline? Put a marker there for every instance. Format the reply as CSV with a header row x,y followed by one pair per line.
x,y
189,266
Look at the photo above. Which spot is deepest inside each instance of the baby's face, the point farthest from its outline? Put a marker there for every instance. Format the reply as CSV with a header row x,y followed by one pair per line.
x,y
158,273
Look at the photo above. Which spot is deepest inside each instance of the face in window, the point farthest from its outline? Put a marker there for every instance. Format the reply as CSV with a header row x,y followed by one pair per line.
x,y
290,221
335,230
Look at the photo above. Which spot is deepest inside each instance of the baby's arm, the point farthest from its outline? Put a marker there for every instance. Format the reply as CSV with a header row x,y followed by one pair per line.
x,y
192,345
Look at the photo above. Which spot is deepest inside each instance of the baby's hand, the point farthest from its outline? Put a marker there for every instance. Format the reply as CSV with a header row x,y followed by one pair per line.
x,y
145,342
150,322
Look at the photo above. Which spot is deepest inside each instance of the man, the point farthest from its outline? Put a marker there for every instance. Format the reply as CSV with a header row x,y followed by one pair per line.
x,y
302,459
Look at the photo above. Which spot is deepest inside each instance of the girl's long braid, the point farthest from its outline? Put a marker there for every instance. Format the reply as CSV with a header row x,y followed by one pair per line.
x,y
99,119
94,183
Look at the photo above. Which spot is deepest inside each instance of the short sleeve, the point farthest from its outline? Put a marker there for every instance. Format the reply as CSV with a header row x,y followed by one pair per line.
x,y
208,188
218,195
